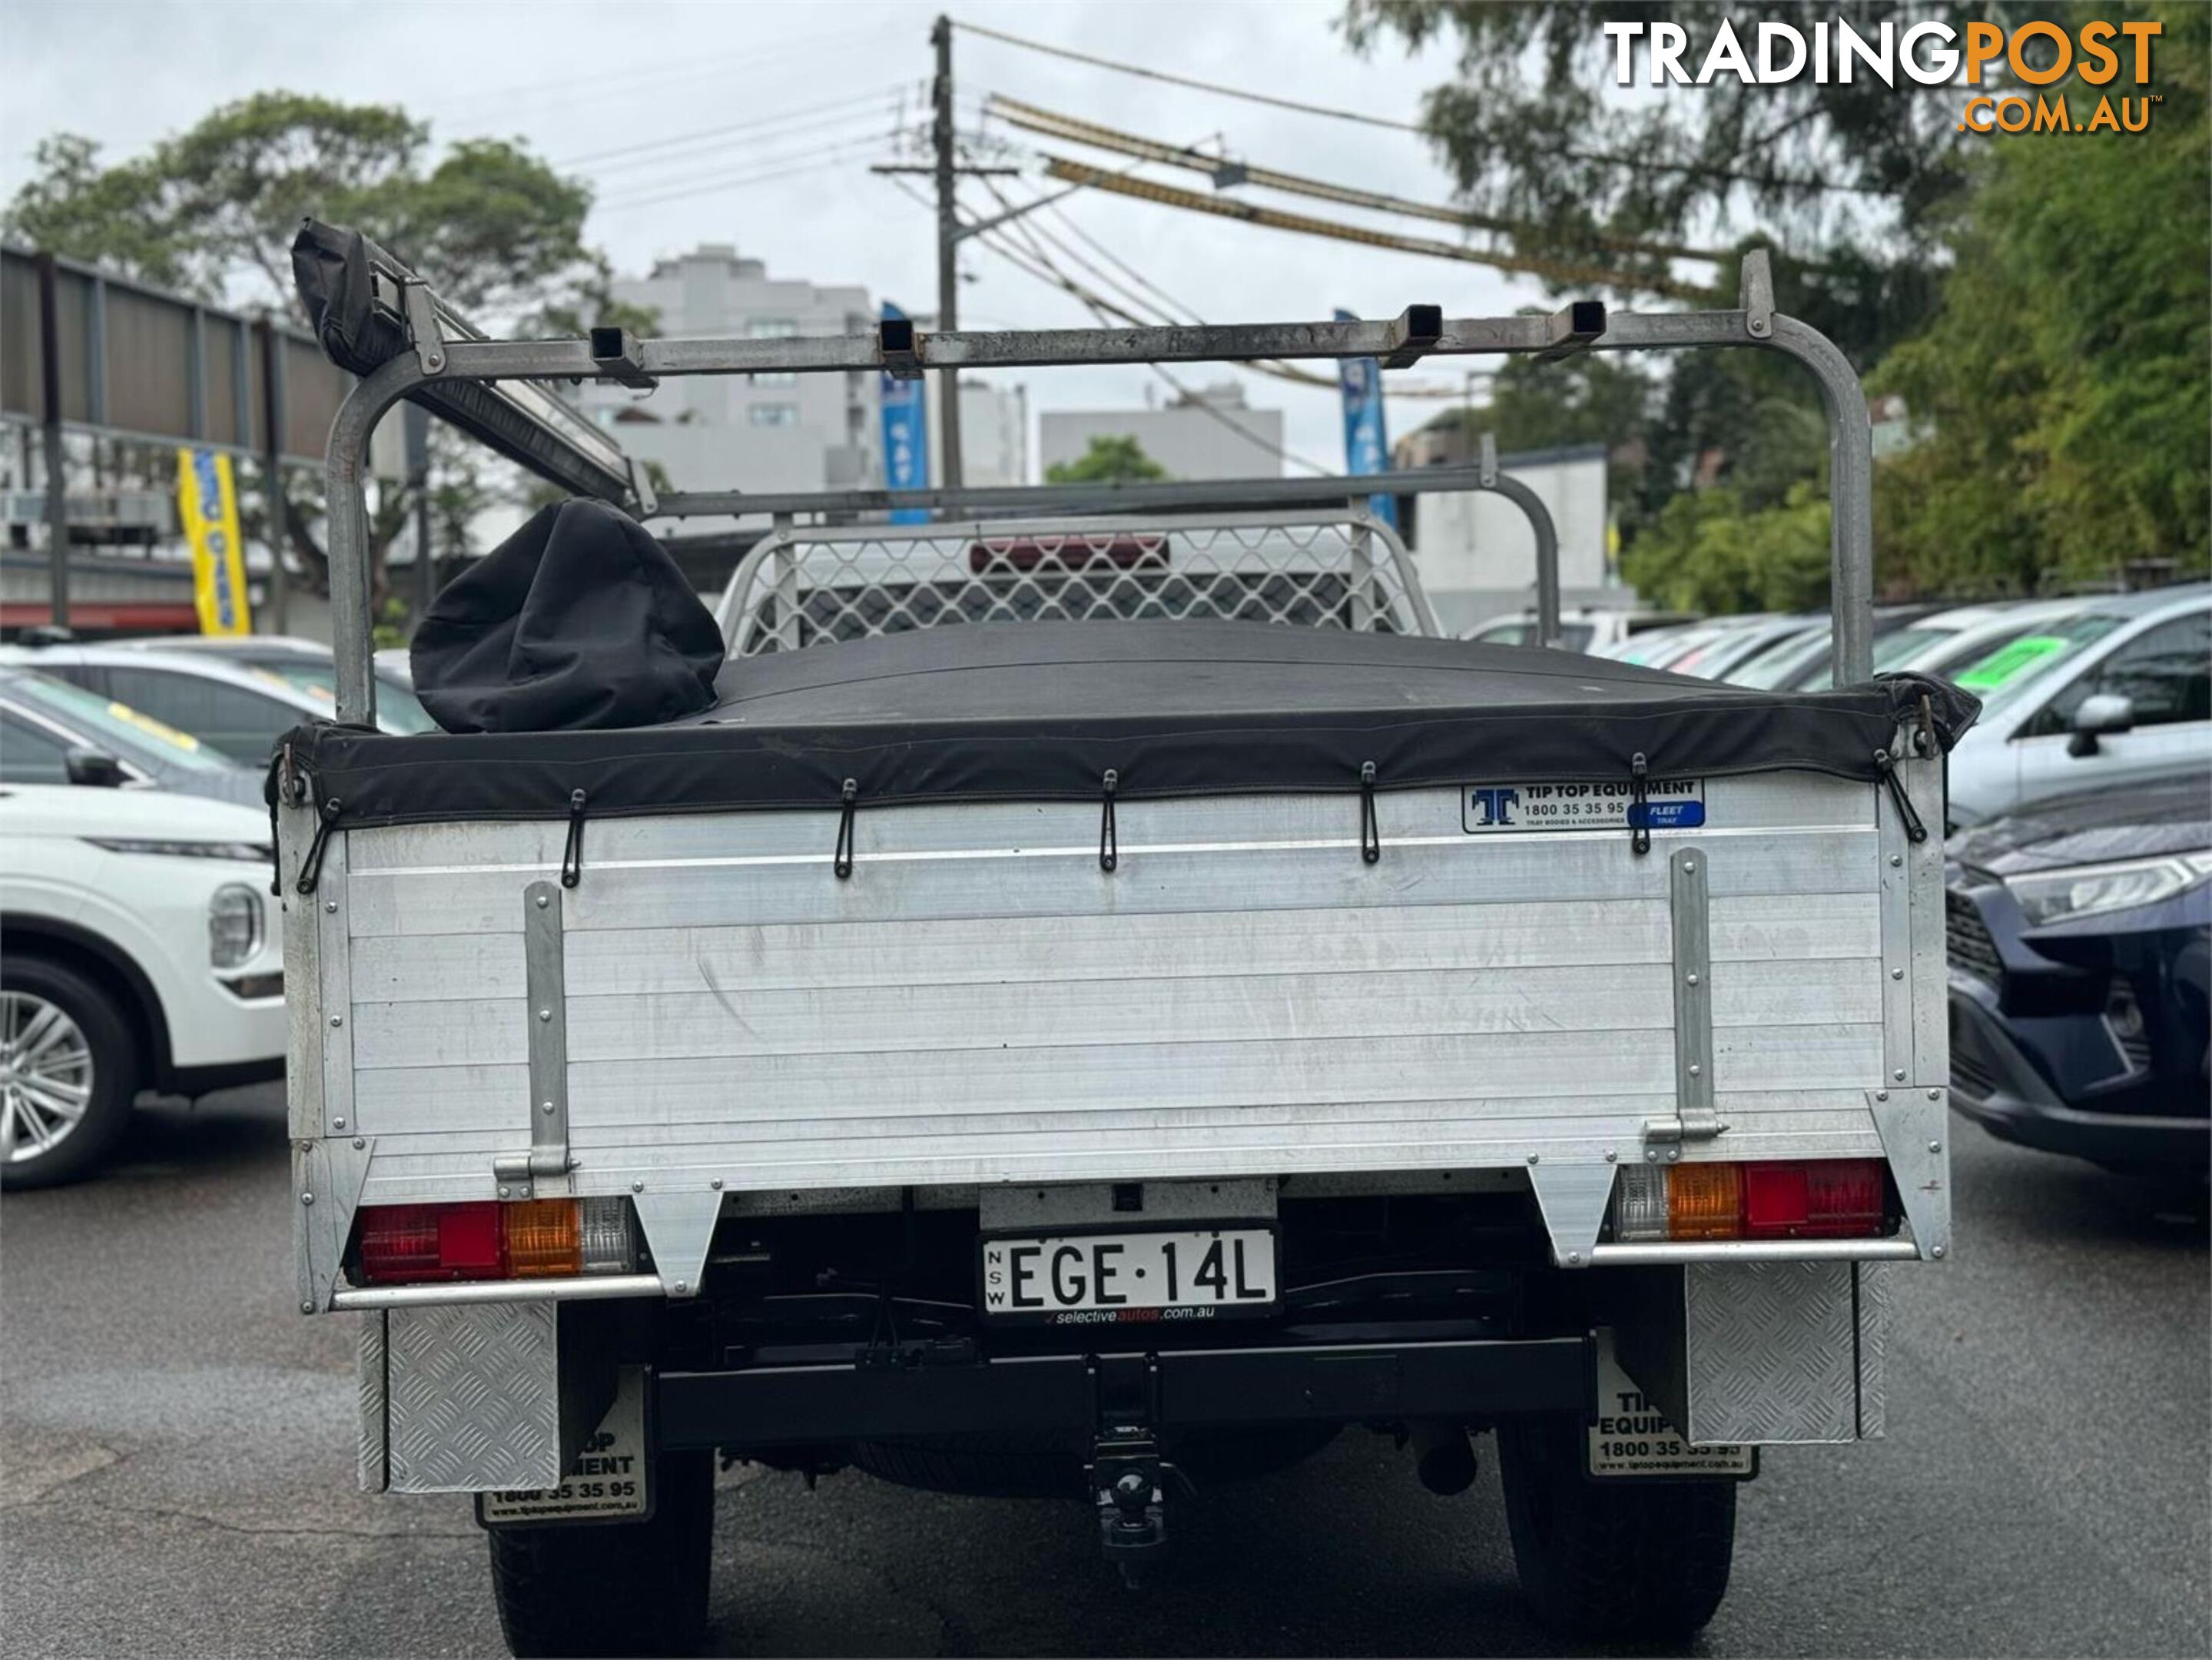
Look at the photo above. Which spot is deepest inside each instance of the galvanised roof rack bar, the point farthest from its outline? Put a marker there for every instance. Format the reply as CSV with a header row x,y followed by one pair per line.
x,y
1028,499
1584,325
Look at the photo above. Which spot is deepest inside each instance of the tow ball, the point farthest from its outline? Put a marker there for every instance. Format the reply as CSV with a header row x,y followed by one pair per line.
x,y
1128,1485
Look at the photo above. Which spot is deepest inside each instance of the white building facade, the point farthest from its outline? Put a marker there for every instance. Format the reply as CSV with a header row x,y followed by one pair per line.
x,y
1212,434
752,432
783,433
1477,556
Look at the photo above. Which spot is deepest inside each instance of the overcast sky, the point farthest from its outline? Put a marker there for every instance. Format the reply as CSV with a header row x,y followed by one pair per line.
x,y
823,81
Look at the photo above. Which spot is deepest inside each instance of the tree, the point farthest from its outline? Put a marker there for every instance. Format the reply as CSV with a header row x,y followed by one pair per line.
x,y
1706,551
2063,385
1108,461
2040,300
1536,130
212,211
1592,398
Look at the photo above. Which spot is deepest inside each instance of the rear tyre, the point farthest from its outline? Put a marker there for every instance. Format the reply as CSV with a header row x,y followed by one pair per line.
x,y
70,1069
614,1588
1613,1560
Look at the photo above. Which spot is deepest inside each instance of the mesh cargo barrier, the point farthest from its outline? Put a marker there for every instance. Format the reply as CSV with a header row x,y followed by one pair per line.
x,y
821,587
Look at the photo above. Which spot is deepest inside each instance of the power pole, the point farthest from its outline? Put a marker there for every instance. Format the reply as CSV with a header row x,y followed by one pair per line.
x,y
276,603
948,249
50,392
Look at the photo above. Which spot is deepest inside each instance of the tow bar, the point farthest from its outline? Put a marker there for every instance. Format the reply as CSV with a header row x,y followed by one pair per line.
x,y
1127,1477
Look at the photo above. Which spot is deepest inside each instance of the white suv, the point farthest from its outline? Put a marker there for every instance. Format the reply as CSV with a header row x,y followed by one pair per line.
x,y
139,950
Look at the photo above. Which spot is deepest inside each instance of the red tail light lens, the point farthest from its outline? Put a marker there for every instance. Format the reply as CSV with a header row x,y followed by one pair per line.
x,y
479,1239
402,1244
1782,1199
1822,1199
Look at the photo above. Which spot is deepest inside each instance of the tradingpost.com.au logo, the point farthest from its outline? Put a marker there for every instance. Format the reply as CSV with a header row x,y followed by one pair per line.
x,y
2038,54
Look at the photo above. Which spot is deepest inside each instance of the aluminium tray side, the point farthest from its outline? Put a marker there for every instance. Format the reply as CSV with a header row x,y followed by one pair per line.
x,y
981,1002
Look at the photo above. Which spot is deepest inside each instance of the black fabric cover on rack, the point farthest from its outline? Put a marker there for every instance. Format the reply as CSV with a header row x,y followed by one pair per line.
x,y
1042,710
334,271
579,620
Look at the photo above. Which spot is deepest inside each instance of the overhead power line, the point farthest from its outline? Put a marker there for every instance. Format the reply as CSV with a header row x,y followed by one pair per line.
x,y
1551,270
835,155
867,129
1031,119
1249,96
784,120
1632,163
587,86
1041,268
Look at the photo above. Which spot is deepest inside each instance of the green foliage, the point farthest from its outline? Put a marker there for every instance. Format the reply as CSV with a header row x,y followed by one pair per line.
x,y
1593,399
1536,130
2068,381
1108,461
213,210
2041,301
1708,550
496,229
73,205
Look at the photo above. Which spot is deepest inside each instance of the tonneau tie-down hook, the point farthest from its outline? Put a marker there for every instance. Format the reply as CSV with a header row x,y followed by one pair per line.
x,y
1109,846
1639,807
841,860
311,867
1371,831
1915,830
572,852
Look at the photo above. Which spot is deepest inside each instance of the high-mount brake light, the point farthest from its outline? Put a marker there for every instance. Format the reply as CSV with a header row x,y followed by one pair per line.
x,y
1773,1199
483,1240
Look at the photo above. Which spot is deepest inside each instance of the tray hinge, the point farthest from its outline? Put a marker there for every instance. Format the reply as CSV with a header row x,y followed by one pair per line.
x,y
543,1172
1694,1118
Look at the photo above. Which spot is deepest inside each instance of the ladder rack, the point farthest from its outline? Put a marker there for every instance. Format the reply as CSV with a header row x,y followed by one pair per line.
x,y
438,363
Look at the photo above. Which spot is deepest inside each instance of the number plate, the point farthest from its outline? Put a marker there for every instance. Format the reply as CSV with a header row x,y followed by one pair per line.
x,y
1110,1279
1631,1436
610,1480
1668,804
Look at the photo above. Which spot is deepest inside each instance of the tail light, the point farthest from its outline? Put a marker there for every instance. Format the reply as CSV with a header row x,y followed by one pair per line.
x,y
482,1239
1775,1199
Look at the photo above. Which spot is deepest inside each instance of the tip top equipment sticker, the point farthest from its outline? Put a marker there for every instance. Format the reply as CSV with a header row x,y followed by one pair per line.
x,y
1668,804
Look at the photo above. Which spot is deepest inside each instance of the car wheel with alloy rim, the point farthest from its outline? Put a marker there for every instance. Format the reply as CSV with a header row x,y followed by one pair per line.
x,y
68,1071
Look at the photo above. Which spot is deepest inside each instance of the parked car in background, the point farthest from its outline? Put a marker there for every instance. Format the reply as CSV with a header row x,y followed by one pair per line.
x,y
53,732
1739,641
1955,653
1661,648
1806,661
237,709
2080,953
1582,627
137,952
2113,694
306,664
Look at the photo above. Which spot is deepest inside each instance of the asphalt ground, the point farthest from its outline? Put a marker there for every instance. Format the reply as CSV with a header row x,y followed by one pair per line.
x,y
176,1478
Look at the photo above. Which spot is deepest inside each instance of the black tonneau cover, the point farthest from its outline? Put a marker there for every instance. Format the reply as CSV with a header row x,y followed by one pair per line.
x,y
1042,710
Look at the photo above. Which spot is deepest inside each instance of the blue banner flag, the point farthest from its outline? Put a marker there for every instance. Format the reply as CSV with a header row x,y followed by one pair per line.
x,y
906,436
1366,447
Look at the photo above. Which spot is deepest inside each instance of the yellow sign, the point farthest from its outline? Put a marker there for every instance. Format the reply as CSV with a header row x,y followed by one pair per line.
x,y
207,501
